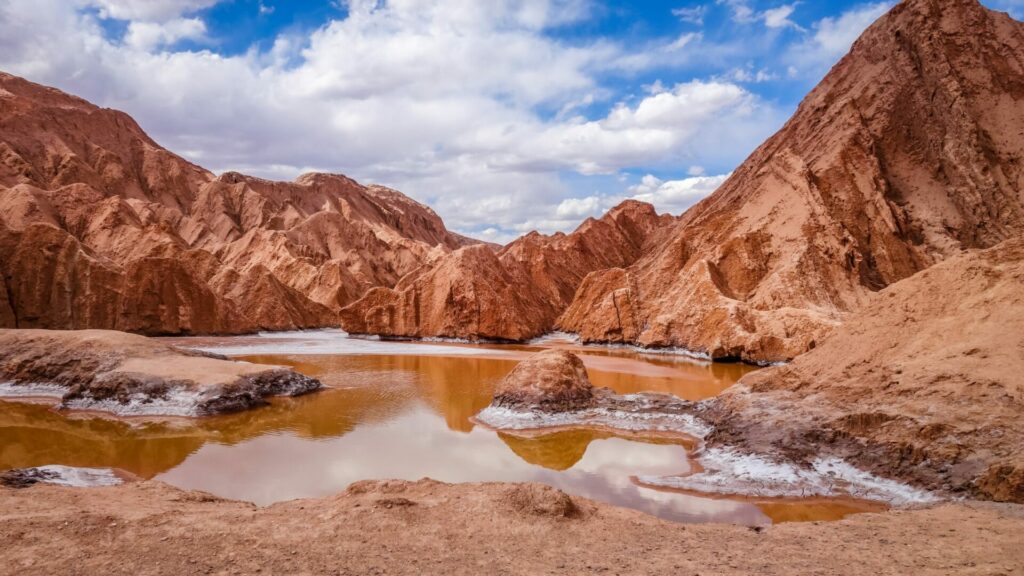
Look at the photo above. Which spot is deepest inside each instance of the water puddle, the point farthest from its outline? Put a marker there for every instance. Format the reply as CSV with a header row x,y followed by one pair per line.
x,y
403,410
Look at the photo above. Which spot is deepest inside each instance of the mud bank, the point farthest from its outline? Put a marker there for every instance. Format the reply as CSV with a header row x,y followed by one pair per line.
x,y
130,375
151,528
551,390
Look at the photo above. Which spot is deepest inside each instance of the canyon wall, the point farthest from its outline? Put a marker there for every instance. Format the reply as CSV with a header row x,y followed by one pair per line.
x,y
909,151
514,294
103,228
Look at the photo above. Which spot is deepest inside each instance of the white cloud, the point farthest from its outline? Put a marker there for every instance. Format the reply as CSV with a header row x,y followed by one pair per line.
x,y
692,15
441,99
741,10
577,208
682,42
833,37
150,35
836,35
675,196
148,10
749,75
779,17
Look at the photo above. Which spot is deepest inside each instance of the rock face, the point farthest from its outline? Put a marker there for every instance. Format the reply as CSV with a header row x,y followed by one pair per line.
x,y
924,383
103,228
548,381
130,374
909,151
514,294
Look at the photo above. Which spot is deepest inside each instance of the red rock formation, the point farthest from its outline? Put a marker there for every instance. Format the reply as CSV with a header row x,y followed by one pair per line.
x,y
514,294
132,375
548,381
923,383
909,151
103,228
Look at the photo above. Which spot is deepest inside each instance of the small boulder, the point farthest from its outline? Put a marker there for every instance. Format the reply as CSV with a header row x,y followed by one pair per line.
x,y
549,381
540,500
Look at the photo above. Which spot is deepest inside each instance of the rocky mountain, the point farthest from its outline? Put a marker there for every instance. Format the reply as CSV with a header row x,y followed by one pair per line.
x,y
515,293
103,228
909,151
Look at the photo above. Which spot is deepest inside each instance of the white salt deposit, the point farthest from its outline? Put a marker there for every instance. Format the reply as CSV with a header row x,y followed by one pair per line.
x,y
315,342
79,477
33,389
555,337
507,419
178,402
727,471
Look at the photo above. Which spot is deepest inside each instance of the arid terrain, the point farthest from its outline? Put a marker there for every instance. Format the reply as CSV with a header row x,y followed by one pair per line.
x,y
924,383
873,179
103,228
869,257
428,527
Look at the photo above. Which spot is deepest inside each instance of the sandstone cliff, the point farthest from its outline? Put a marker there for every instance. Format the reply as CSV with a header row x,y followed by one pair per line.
x,y
103,228
513,294
923,383
909,151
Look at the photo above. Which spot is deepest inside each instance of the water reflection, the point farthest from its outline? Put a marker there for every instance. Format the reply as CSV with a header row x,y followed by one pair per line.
x,y
396,417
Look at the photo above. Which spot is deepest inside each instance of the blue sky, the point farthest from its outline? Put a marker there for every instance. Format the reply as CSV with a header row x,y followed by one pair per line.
x,y
505,116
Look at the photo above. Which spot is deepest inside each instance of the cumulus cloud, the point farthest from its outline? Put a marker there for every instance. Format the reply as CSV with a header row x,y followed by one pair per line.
x,y
833,37
442,99
779,17
147,10
579,207
151,35
667,196
675,196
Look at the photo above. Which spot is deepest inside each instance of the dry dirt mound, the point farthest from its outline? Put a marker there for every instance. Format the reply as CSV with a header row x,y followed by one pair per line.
x,y
923,384
130,374
909,151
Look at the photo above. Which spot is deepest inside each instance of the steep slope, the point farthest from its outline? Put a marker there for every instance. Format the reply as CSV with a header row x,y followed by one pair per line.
x,y
103,228
924,383
909,151
513,294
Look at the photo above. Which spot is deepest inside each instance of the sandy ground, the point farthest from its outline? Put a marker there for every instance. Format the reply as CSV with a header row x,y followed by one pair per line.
x,y
432,528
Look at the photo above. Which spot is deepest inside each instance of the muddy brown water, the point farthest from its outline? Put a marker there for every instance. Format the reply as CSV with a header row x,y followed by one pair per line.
x,y
402,415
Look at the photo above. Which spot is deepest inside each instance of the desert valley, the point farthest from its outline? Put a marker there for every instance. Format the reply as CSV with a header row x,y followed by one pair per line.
x,y
818,368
